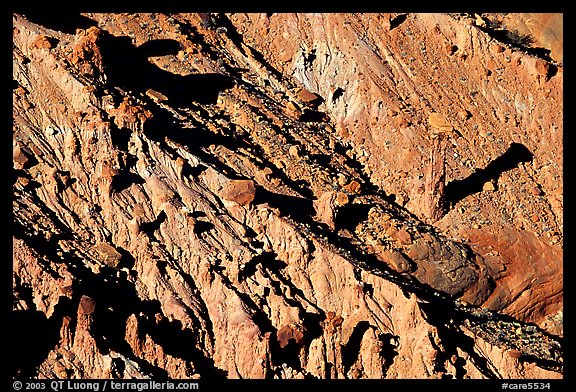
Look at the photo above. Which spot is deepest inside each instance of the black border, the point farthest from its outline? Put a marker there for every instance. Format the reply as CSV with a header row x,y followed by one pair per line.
x,y
334,6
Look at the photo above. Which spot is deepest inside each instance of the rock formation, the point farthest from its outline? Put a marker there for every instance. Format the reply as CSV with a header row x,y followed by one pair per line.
x,y
287,196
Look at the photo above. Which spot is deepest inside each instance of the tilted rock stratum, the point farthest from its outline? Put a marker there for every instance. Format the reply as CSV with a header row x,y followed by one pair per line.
x,y
287,196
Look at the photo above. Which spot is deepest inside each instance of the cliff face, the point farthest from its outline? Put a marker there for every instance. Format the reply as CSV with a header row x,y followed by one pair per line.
x,y
287,196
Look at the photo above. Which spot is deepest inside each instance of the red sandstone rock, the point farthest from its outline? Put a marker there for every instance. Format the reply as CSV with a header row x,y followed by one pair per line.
x,y
239,191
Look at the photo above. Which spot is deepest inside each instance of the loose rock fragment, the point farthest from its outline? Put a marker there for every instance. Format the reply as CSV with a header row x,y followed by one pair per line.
x,y
440,123
239,191
488,187
395,260
290,333
156,95
19,158
86,306
353,187
109,255
307,97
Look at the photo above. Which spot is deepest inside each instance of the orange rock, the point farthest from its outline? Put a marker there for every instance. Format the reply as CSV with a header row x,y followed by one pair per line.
x,y
294,151
497,48
402,237
109,255
325,209
42,42
342,199
439,122
307,97
20,91
353,187
156,95
542,67
395,260
288,333
86,306
293,110
401,122
19,158
488,187
464,114
239,191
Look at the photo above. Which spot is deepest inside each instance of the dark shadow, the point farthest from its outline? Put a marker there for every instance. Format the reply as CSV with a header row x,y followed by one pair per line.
x,y
120,137
198,214
231,32
193,171
312,324
128,67
195,140
150,227
552,71
436,316
127,260
116,299
321,159
397,21
297,208
314,116
266,259
202,227
32,161
309,58
179,343
32,336
516,40
66,23
337,94
192,138
350,215
124,180
389,351
159,47
289,354
351,349
459,189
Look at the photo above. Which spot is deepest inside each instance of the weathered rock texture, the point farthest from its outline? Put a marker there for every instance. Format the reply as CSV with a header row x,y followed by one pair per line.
x,y
253,196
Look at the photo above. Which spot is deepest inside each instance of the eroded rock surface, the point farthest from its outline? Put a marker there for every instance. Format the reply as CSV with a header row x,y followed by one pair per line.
x,y
248,196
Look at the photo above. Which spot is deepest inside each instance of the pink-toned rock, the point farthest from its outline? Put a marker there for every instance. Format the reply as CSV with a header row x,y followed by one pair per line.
x,y
239,191
19,158
42,42
527,271
109,255
86,306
